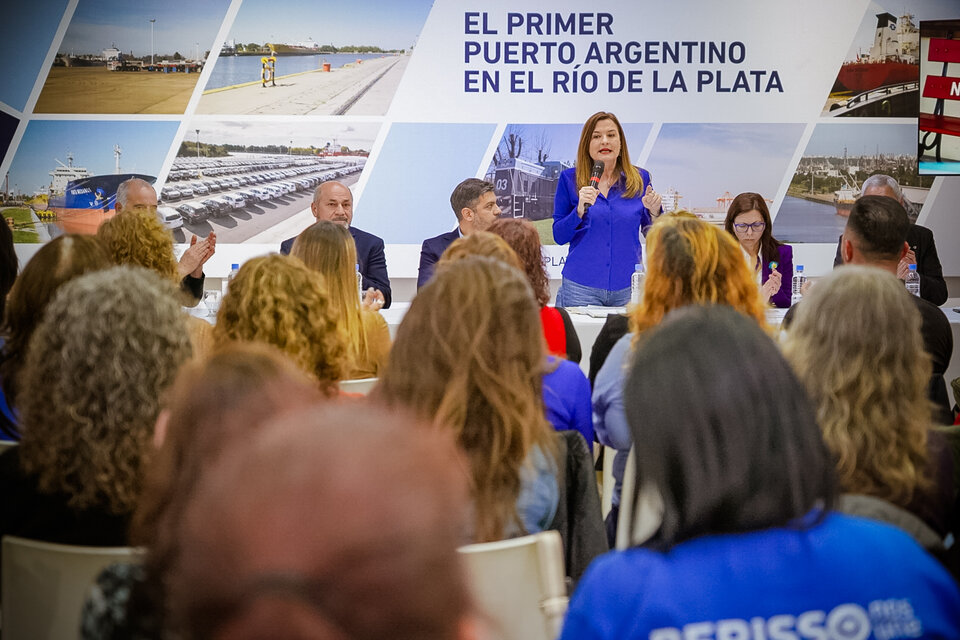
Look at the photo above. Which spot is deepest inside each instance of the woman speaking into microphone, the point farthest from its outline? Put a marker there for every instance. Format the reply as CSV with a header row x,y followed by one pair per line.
x,y
600,207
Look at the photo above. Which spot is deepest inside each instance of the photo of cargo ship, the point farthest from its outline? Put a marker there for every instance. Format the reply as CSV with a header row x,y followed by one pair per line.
x,y
86,202
883,82
78,201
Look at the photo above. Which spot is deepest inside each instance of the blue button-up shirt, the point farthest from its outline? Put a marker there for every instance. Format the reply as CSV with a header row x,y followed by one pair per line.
x,y
605,243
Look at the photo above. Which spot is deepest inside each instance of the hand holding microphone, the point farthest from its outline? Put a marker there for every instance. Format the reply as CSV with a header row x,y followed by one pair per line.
x,y
588,193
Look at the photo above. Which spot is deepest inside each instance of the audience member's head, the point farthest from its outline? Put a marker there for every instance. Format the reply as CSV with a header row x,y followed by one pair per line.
x,y
883,185
480,243
856,345
333,202
469,357
475,204
56,262
9,265
213,403
876,232
136,194
690,261
109,345
138,238
525,242
341,521
747,453
278,300
329,249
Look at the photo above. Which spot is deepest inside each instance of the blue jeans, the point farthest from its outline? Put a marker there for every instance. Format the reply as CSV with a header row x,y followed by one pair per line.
x,y
572,294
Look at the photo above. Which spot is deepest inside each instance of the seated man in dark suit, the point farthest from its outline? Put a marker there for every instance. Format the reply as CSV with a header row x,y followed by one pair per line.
x,y
922,248
333,202
876,235
475,205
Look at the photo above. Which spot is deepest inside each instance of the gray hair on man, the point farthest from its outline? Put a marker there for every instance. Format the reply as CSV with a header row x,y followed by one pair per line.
x,y
125,187
882,181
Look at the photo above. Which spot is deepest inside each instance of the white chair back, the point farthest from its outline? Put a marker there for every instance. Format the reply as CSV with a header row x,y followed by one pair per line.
x,y
606,485
519,585
363,385
45,585
7,444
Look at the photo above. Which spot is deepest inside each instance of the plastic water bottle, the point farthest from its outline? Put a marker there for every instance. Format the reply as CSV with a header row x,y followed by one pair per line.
x,y
798,280
913,280
636,283
234,268
359,282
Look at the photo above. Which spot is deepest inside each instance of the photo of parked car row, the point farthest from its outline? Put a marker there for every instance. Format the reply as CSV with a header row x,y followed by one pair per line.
x,y
201,191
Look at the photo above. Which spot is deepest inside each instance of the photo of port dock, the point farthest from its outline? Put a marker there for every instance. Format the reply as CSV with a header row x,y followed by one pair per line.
x,y
119,58
309,61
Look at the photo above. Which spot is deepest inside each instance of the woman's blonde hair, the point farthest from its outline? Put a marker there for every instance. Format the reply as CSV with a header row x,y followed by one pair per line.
x,y
632,181
280,301
469,357
328,248
109,345
138,238
690,261
857,347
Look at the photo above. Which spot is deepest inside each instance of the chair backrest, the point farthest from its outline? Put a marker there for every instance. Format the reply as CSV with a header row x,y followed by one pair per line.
x,y
7,444
519,585
362,386
45,584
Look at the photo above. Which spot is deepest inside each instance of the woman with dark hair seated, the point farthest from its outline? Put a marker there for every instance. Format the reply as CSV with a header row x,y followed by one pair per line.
x,y
746,545
770,261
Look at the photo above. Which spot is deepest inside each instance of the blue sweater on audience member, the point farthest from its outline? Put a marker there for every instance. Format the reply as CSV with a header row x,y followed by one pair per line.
x,y
566,395
609,418
845,578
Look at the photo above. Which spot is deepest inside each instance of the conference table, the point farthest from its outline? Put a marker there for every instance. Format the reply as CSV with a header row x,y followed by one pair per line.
x,y
589,320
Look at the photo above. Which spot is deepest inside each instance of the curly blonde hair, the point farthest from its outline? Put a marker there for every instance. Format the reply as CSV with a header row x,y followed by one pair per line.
x,y
280,301
690,261
109,345
469,357
328,248
139,238
857,347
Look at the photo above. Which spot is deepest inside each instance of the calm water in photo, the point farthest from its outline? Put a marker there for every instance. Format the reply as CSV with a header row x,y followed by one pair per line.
x,y
802,220
230,70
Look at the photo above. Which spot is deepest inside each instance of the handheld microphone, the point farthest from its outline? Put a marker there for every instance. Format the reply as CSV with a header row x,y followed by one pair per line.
x,y
594,180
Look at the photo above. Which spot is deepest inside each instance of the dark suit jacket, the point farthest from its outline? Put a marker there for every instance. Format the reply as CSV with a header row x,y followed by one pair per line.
x,y
430,252
933,288
373,262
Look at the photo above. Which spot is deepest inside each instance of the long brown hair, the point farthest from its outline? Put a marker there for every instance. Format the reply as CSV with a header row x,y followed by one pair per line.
x,y
57,262
525,242
212,404
469,357
633,184
856,345
750,201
